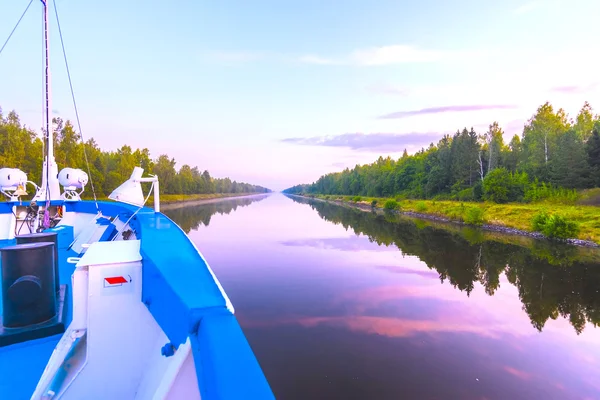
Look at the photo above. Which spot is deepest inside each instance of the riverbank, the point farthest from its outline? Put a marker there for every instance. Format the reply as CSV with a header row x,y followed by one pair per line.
x,y
513,218
187,198
171,199
194,201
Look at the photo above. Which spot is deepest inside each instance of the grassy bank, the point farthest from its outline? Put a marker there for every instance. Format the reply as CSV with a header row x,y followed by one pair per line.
x,y
513,215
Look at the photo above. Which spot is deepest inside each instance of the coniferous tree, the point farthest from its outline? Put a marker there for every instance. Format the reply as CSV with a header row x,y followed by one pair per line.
x,y
593,155
569,167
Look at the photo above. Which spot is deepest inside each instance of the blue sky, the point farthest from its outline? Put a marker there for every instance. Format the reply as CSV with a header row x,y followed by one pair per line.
x,y
280,92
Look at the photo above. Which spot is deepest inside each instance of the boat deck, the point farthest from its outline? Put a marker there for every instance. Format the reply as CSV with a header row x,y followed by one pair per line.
x,y
181,293
21,365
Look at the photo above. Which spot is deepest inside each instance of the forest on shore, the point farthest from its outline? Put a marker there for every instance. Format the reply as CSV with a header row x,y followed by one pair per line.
x,y
21,147
552,158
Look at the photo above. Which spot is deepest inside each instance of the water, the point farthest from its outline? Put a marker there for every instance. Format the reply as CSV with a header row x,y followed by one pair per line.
x,y
339,303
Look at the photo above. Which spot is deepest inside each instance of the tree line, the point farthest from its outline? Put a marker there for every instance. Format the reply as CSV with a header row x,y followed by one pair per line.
x,y
21,147
552,153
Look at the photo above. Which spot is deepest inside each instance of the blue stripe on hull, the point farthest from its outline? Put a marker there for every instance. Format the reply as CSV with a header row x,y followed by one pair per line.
x,y
225,363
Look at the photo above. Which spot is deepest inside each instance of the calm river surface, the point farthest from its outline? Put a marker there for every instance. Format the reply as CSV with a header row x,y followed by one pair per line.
x,y
339,303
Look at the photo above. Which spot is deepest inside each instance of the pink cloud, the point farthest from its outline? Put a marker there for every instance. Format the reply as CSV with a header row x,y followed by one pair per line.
x,y
518,373
559,386
394,327
351,243
573,89
514,127
372,141
445,109
404,270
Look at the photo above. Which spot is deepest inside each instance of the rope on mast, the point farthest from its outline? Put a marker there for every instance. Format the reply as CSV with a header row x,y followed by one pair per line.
x,y
87,163
15,28
43,86
49,126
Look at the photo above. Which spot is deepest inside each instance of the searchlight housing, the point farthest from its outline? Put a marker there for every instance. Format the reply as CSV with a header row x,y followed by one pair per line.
x,y
12,183
72,179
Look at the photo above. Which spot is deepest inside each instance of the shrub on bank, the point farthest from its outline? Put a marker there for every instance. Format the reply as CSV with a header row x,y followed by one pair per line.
x,y
541,191
356,199
374,203
421,206
555,226
465,195
391,205
502,186
474,216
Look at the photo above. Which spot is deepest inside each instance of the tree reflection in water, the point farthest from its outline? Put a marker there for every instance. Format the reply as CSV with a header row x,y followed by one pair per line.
x,y
190,217
553,279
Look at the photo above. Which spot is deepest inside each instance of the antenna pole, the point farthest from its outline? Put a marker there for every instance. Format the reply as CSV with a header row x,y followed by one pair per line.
x,y
50,189
49,133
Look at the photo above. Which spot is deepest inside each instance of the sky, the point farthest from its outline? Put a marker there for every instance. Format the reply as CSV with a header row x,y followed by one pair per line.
x,y
278,93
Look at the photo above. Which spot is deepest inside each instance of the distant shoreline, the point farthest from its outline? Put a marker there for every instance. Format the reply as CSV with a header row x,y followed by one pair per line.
x,y
170,204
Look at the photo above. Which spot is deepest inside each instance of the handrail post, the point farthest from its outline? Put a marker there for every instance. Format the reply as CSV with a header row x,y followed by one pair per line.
x,y
156,196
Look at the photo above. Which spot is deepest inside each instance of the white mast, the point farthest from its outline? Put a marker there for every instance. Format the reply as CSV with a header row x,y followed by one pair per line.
x,y
50,189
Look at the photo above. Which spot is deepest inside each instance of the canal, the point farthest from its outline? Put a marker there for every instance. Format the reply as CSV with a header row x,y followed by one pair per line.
x,y
339,303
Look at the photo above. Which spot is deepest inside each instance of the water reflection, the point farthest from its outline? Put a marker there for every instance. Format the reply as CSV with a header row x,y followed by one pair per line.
x,y
354,243
190,217
332,314
552,280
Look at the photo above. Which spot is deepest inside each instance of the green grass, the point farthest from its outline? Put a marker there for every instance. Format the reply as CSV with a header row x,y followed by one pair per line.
x,y
512,215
